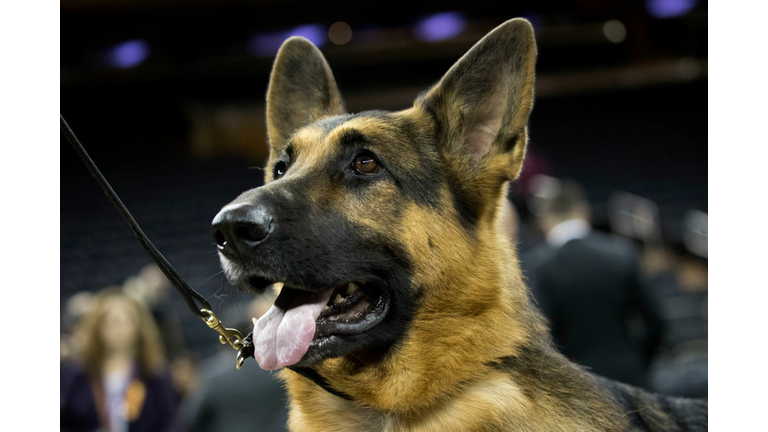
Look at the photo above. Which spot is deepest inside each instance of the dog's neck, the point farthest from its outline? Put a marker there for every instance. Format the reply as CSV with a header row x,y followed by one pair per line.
x,y
427,384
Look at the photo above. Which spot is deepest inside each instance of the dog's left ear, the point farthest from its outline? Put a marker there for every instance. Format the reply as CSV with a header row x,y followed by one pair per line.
x,y
301,90
483,102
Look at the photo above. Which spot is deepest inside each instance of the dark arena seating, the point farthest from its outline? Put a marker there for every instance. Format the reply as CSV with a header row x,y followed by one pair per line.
x,y
650,143
174,202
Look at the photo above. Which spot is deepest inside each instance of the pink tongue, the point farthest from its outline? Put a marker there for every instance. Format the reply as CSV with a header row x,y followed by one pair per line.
x,y
282,336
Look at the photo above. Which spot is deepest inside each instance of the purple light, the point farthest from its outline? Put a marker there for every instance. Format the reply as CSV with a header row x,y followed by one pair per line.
x,y
316,33
267,44
669,8
128,54
440,26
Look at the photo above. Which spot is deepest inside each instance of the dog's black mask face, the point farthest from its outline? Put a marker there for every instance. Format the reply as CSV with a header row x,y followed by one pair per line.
x,y
365,216
324,225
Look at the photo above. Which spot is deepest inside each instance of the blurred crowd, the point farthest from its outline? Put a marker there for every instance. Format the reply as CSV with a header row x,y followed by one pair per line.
x,y
625,299
125,367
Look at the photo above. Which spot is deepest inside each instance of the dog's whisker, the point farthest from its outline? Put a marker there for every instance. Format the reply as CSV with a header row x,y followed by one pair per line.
x,y
209,278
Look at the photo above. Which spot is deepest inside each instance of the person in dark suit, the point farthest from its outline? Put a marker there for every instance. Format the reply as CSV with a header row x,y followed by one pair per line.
x,y
592,290
121,382
231,400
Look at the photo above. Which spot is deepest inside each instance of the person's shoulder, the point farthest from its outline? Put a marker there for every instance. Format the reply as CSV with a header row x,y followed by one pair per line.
x,y
616,248
611,243
72,371
73,379
534,257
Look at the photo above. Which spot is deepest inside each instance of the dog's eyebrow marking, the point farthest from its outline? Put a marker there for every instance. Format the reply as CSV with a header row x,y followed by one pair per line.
x,y
289,150
352,138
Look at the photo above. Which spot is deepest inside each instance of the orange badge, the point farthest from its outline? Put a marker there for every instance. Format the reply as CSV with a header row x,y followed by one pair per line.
x,y
134,399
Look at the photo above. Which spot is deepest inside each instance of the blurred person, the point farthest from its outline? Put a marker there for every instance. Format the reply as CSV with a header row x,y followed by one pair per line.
x,y
121,383
536,165
74,310
71,338
185,375
592,290
231,400
692,271
682,369
509,221
152,287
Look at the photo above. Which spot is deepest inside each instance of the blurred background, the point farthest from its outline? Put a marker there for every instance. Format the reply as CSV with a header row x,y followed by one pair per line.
x,y
168,98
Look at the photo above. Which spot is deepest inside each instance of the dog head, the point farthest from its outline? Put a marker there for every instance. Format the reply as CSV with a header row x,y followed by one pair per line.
x,y
381,226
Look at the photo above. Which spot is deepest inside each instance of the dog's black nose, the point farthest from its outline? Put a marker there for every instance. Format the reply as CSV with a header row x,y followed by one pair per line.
x,y
237,229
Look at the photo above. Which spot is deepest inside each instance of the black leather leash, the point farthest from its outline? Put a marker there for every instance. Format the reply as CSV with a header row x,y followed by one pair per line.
x,y
243,345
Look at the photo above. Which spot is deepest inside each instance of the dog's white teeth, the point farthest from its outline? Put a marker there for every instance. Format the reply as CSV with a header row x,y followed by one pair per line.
x,y
351,288
326,307
277,287
337,299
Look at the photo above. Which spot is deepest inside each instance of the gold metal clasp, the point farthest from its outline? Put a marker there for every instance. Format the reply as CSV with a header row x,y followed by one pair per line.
x,y
226,335
239,360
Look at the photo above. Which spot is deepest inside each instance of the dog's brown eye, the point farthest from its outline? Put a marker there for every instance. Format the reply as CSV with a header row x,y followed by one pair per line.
x,y
280,168
366,164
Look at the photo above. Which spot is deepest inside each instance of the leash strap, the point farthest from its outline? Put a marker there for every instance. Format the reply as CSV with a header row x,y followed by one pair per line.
x,y
316,378
192,297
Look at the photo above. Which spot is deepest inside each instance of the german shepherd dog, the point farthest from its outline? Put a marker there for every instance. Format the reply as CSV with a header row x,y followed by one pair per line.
x,y
403,306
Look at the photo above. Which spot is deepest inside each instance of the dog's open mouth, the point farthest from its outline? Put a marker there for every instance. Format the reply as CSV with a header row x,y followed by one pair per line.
x,y
301,320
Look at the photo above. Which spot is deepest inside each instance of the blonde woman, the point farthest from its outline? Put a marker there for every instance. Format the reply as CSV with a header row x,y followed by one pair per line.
x,y
121,383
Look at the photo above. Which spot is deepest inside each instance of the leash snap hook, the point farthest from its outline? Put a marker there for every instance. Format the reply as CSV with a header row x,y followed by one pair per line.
x,y
226,335
246,351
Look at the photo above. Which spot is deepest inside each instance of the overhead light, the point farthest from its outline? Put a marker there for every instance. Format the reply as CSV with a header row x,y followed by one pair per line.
x,y
669,8
615,31
440,26
268,43
340,33
128,54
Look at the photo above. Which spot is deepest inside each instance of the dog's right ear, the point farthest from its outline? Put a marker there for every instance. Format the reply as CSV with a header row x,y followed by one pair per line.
x,y
301,90
481,105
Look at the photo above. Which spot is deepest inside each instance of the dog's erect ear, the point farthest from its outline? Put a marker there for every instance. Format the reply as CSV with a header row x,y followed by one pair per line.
x,y
482,103
301,91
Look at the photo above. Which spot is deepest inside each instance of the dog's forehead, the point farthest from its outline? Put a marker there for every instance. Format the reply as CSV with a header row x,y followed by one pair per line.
x,y
380,131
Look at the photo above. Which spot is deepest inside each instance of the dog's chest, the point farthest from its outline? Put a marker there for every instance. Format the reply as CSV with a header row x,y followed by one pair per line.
x,y
484,406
